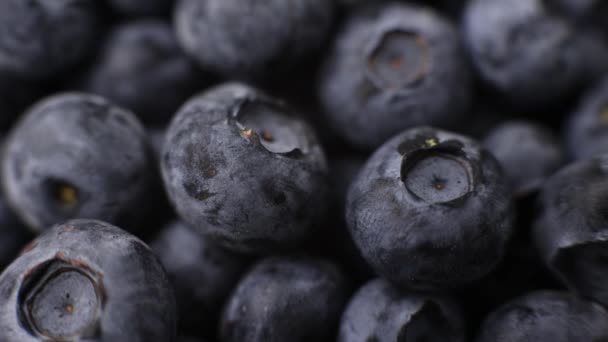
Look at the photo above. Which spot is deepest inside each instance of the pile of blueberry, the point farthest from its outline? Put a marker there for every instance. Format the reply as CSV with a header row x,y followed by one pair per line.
x,y
304,170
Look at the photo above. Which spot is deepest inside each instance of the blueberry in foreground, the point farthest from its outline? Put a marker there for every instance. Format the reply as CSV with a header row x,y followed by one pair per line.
x,y
430,210
40,38
285,299
243,170
381,312
142,7
251,39
75,155
203,275
394,67
546,316
586,130
526,52
86,280
142,68
571,230
528,152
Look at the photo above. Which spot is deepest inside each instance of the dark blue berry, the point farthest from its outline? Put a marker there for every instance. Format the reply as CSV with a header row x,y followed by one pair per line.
x,y
430,210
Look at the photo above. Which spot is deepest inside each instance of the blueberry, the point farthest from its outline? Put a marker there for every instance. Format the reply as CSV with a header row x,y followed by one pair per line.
x,y
380,312
142,68
242,170
39,38
430,210
285,299
394,67
545,316
251,39
531,56
586,131
86,280
13,236
202,273
142,7
528,152
77,155
571,230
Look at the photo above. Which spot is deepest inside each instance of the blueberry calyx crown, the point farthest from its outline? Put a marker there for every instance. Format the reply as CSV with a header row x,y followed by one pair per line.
x,y
263,120
61,300
436,172
65,195
398,59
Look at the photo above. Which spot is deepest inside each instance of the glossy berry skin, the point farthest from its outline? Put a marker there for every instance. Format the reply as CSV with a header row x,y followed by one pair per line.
x,y
243,171
529,55
529,153
202,274
142,7
586,130
393,67
570,232
380,312
285,299
77,155
546,316
270,34
40,38
430,210
142,68
86,280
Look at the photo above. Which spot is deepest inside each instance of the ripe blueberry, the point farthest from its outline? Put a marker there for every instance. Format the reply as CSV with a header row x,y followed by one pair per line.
x,y
86,280
430,210
77,155
242,170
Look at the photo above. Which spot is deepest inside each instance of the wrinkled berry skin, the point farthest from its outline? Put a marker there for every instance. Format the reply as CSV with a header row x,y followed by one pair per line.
x,y
532,57
142,7
75,155
380,312
111,271
40,38
528,152
586,130
142,68
251,39
285,299
571,230
430,210
241,170
546,316
394,67
13,235
202,274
